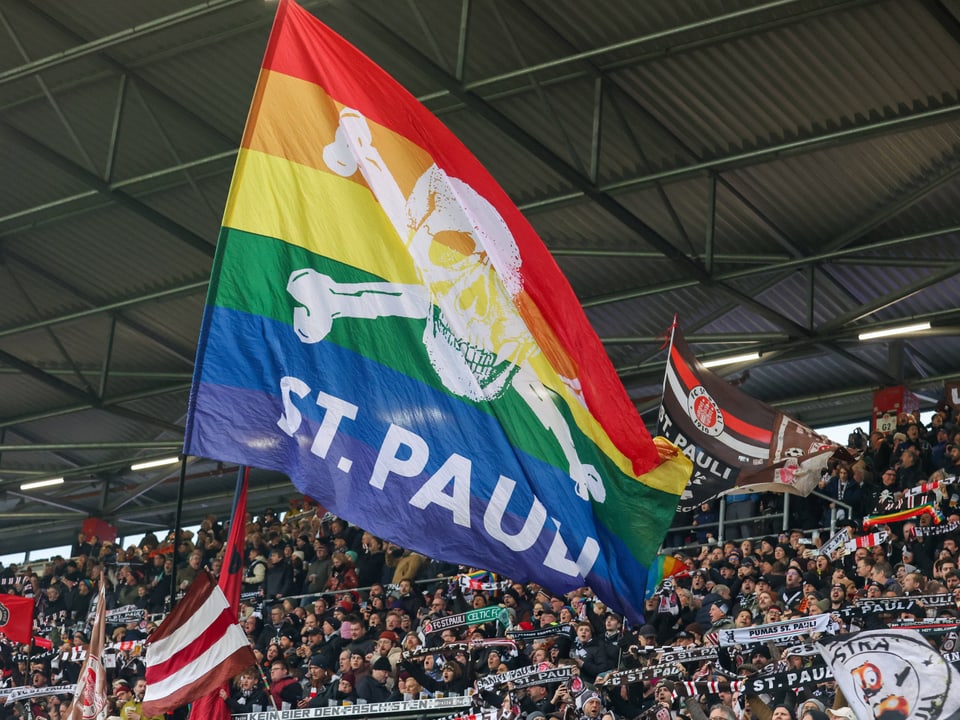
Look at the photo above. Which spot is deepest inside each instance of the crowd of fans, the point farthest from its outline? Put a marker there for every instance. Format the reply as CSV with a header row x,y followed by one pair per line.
x,y
335,614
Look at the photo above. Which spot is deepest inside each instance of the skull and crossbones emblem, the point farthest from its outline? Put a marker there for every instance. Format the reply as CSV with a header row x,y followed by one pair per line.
x,y
468,264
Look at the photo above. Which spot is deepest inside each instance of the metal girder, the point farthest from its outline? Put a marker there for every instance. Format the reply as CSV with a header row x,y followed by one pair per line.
x,y
69,507
699,42
897,124
947,20
777,267
101,405
701,339
892,298
141,489
694,29
718,258
58,111
163,344
812,142
81,470
125,72
69,459
166,293
57,447
45,378
123,199
118,38
772,346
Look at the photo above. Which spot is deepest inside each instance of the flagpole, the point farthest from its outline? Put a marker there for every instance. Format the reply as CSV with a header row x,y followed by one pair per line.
x,y
177,529
673,332
266,685
243,474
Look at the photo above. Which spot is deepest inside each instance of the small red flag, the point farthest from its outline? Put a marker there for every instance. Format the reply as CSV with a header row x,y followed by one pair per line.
x,y
16,618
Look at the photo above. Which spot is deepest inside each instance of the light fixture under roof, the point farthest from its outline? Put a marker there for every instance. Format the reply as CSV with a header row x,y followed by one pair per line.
x,y
731,360
147,464
42,483
894,331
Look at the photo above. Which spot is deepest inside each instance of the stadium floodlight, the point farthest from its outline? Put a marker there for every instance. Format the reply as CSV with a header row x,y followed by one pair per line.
x,y
147,464
731,360
894,331
42,483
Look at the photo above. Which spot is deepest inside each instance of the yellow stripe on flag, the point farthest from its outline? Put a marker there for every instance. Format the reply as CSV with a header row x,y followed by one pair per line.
x,y
318,211
282,188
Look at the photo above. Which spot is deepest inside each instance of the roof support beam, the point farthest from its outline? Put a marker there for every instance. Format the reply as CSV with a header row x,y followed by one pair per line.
x,y
102,405
121,198
165,345
60,447
69,507
765,270
772,346
109,41
164,294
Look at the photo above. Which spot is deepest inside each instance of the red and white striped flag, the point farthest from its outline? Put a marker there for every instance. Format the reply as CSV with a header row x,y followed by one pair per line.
x,y
211,706
198,646
90,696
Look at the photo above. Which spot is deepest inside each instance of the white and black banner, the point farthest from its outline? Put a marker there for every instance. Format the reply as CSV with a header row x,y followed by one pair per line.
x,y
791,679
777,631
517,676
15,694
733,439
923,531
926,626
448,649
801,649
544,632
126,614
673,655
893,674
836,542
635,675
871,606
399,707
545,677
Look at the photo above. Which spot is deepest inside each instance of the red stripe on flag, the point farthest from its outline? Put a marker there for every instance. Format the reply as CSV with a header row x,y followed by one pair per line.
x,y
690,381
221,675
747,430
684,372
199,591
206,640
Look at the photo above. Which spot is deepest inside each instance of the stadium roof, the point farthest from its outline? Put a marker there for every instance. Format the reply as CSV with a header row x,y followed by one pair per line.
x,y
783,175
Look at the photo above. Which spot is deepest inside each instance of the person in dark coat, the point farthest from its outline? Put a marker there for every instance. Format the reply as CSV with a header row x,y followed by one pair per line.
x,y
589,653
373,687
319,684
247,696
278,582
452,677
284,688
345,691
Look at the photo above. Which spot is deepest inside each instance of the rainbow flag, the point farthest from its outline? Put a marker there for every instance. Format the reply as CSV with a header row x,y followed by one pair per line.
x,y
384,326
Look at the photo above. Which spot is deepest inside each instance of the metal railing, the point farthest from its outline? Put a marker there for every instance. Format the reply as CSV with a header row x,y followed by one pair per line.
x,y
723,524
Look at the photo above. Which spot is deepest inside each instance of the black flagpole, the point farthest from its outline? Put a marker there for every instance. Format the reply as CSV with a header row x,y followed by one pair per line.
x,y
176,531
